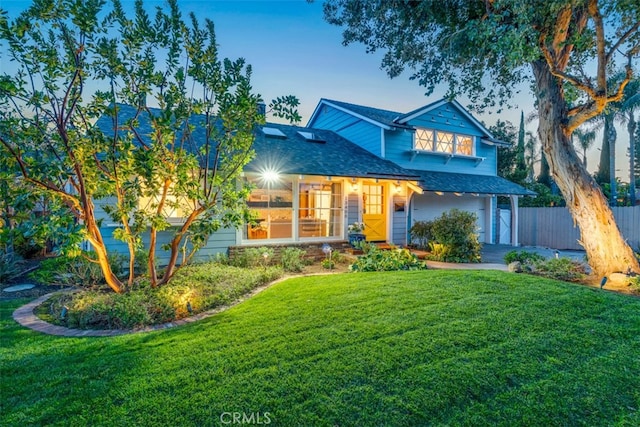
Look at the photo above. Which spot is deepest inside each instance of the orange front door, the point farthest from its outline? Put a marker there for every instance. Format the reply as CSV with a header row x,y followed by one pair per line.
x,y
374,213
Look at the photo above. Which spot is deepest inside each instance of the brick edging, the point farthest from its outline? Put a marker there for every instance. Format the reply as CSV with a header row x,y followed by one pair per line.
x,y
26,317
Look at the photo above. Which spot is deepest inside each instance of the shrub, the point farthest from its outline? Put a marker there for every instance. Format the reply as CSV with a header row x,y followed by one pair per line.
x,y
523,257
337,258
9,266
27,247
141,263
455,237
375,259
194,289
221,258
292,259
75,271
560,268
254,257
421,233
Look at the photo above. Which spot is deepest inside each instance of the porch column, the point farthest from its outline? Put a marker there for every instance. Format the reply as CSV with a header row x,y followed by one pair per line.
x,y
514,220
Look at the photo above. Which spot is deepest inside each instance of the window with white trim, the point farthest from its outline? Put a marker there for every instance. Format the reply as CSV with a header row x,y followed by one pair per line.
x,y
442,142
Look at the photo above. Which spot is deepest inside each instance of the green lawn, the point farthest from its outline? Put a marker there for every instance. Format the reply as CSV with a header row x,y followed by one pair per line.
x,y
413,348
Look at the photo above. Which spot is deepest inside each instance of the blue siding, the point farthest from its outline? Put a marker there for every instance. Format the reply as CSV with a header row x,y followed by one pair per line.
x,y
446,118
399,146
219,242
399,225
353,208
358,131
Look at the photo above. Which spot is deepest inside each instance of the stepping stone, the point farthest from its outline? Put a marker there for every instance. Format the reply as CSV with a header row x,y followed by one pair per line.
x,y
18,288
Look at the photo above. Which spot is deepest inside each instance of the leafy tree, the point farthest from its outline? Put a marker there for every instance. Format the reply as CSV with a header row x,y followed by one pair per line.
x,y
508,157
531,154
485,48
521,165
79,62
585,141
628,107
607,150
622,111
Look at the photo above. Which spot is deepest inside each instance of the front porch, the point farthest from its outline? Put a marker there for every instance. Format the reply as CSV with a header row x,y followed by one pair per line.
x,y
307,209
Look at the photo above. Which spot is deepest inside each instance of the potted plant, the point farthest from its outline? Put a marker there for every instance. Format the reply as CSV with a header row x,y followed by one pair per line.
x,y
356,234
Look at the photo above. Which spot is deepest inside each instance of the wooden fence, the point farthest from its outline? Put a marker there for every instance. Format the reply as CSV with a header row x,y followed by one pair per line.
x,y
553,227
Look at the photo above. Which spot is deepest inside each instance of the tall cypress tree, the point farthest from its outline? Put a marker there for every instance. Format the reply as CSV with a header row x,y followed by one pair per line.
x,y
520,163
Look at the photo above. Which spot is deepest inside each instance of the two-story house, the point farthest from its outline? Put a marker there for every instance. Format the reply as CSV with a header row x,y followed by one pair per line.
x,y
359,164
452,153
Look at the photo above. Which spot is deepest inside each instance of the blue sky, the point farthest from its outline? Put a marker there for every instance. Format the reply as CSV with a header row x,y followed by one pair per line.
x,y
294,51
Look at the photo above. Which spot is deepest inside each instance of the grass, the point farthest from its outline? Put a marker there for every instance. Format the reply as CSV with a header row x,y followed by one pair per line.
x,y
402,349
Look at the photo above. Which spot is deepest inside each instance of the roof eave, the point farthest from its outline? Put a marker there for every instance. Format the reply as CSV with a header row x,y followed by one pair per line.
x,y
348,111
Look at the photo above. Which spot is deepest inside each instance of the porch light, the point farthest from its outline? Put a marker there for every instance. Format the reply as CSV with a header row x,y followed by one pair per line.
x,y
458,194
398,188
354,185
439,193
270,175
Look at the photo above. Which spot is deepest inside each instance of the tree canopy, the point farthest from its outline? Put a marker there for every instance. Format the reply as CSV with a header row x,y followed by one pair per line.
x,y
486,49
78,62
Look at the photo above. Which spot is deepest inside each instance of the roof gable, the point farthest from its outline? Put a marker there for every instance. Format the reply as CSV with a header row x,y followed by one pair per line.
x,y
388,119
376,116
448,110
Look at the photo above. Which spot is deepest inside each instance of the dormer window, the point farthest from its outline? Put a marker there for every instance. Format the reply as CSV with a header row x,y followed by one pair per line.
x,y
442,142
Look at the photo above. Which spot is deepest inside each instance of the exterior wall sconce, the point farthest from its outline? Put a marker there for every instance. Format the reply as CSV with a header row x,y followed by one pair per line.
x,y
354,185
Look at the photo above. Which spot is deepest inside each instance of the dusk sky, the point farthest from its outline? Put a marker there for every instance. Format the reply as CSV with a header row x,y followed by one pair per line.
x,y
294,51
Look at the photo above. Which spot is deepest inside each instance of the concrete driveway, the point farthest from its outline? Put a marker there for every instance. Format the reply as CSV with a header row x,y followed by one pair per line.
x,y
494,254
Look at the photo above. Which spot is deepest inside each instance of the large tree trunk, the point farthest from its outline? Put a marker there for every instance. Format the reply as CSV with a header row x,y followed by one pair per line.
x,y
606,248
631,127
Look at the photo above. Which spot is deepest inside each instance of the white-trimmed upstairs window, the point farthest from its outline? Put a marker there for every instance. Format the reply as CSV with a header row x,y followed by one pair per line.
x,y
424,139
443,142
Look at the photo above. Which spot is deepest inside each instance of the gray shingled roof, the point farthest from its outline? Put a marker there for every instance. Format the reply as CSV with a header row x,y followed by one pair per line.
x,y
385,117
466,183
334,156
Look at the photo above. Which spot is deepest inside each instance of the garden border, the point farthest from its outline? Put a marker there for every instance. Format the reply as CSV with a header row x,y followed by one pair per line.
x,y
26,317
